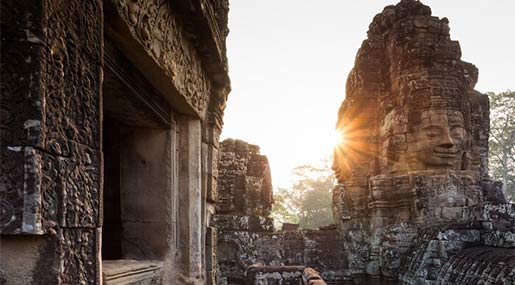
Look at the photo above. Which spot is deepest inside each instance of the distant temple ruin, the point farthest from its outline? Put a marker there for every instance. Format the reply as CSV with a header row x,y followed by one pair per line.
x,y
250,250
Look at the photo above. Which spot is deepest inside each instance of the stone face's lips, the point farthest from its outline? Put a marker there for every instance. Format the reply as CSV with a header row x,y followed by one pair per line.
x,y
446,152
447,156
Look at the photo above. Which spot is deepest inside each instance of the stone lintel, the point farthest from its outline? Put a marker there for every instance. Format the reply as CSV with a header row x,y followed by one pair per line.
x,y
207,19
153,37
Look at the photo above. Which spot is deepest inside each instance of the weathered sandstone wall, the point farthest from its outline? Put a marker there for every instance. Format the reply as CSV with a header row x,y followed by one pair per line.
x,y
246,234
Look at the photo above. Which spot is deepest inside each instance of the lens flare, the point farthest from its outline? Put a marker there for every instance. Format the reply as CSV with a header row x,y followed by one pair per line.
x,y
338,138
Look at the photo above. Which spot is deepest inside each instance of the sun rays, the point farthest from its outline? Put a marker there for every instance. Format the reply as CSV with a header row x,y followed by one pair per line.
x,y
351,148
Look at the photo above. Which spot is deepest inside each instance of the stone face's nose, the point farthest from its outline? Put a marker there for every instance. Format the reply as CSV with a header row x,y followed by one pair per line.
x,y
446,140
449,144
334,166
336,170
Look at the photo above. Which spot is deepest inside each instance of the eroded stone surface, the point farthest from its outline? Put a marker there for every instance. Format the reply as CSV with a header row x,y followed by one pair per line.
x,y
412,172
51,112
246,232
245,184
50,134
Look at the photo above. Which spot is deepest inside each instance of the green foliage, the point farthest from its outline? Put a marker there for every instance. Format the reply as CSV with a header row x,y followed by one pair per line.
x,y
308,201
502,140
284,209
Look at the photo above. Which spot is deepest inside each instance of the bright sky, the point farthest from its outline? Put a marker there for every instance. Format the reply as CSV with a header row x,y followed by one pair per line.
x,y
289,60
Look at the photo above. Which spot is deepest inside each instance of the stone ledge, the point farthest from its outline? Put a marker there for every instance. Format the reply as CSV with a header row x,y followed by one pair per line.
x,y
127,271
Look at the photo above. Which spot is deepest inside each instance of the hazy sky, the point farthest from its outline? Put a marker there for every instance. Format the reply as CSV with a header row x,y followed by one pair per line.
x,y
289,60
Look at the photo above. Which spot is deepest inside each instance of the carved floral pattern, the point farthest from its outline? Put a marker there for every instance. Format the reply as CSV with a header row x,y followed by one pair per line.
x,y
78,255
50,129
155,25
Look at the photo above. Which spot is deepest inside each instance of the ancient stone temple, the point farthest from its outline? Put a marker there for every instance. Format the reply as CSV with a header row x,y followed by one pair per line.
x,y
112,171
414,201
243,208
250,249
110,116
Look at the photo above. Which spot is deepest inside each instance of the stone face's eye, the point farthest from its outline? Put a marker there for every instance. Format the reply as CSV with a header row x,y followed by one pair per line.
x,y
457,131
433,131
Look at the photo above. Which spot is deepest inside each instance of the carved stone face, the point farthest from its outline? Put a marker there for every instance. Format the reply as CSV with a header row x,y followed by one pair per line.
x,y
438,141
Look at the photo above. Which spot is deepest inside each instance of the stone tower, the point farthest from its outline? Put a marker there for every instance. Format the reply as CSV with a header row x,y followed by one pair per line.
x,y
413,187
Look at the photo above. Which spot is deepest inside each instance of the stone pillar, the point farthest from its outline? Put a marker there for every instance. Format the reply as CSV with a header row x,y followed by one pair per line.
x,y
50,143
190,197
212,127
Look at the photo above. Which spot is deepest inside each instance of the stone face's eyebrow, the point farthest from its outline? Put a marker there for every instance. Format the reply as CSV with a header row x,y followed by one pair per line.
x,y
456,120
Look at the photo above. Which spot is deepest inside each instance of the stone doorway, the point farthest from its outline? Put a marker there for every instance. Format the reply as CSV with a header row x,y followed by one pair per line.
x,y
139,150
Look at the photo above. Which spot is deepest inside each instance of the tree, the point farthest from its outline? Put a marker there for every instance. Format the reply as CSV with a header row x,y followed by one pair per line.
x,y
308,201
284,210
502,140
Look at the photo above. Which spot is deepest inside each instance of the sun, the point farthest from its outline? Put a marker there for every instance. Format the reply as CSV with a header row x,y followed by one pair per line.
x,y
338,138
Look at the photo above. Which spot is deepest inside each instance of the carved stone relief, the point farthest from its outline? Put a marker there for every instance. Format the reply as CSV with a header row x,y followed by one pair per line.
x,y
438,141
79,256
50,131
156,27
60,110
415,146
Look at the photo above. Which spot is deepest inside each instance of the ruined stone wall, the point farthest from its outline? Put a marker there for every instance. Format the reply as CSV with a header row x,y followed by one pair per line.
x,y
246,232
243,205
413,183
245,183
50,140
240,248
287,275
51,113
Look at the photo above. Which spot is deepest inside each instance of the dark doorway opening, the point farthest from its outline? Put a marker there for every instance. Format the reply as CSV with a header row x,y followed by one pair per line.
x,y
138,144
112,227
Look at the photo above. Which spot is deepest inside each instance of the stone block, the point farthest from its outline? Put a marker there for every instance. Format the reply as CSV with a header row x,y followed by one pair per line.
x,y
127,271
211,249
